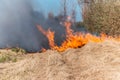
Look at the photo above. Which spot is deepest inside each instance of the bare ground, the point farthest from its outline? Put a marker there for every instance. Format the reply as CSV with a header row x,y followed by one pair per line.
x,y
94,61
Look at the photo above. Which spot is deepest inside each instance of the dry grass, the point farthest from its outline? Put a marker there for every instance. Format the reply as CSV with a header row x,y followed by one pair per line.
x,y
8,55
97,61
94,61
57,69
31,67
103,17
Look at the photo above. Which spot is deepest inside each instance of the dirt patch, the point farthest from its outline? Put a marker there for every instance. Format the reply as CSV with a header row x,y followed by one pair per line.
x,y
94,61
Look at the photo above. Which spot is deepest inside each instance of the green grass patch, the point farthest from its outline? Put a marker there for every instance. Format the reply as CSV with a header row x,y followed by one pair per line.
x,y
11,55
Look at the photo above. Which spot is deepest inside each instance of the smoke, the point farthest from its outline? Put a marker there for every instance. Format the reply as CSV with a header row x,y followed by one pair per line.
x,y
53,23
18,26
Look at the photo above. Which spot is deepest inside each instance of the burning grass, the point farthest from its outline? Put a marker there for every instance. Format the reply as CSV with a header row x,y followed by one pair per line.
x,y
74,39
98,59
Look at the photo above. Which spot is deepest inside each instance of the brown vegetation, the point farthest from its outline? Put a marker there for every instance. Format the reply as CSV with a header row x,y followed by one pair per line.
x,y
102,16
94,61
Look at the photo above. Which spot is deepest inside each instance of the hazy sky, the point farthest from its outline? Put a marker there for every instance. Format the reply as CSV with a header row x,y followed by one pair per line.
x,y
55,6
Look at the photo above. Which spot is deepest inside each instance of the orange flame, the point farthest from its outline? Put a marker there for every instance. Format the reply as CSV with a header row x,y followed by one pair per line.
x,y
73,40
49,34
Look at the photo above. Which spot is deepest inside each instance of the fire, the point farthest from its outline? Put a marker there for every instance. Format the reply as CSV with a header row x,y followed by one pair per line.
x,y
73,39
49,34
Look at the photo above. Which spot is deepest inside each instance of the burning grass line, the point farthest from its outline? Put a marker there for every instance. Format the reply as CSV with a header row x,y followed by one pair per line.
x,y
74,39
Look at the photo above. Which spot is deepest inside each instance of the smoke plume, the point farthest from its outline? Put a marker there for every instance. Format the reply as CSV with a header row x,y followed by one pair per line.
x,y
18,26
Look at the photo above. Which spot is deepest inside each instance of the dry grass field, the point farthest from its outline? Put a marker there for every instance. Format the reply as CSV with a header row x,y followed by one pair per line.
x,y
94,61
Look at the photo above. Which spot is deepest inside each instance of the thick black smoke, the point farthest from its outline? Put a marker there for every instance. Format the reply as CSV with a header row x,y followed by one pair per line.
x,y
18,26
